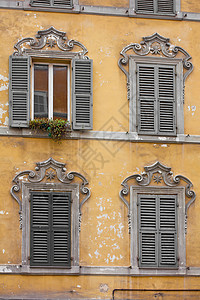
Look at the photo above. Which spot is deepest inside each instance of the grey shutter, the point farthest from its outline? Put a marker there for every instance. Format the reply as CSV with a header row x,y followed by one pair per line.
x,y
148,237
167,231
62,3
166,100
52,3
82,94
165,6
40,229
145,6
61,229
146,99
19,91
41,3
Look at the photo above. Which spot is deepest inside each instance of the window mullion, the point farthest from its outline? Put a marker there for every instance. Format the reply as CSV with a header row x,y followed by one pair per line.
x,y
50,94
155,4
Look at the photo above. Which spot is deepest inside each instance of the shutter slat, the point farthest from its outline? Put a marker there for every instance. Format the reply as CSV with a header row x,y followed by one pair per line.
x,y
166,6
61,226
52,3
82,94
168,255
145,6
155,6
19,91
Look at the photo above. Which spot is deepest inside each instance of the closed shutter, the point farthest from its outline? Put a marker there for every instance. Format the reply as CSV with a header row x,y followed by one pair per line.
x,y
52,3
50,232
145,6
82,94
166,99
61,229
168,231
156,99
148,239
146,98
19,91
165,6
157,217
155,6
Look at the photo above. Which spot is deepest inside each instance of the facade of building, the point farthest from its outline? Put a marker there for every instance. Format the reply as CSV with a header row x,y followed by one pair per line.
x,y
112,210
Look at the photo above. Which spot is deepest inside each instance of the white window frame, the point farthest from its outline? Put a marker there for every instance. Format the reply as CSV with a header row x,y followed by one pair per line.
x,y
50,88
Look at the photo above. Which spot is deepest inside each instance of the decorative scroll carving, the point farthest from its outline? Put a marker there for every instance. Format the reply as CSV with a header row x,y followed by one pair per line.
x,y
162,173
155,45
41,172
48,38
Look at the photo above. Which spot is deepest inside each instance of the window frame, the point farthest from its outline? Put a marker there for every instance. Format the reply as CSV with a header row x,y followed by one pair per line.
x,y
133,112
50,88
134,240
27,187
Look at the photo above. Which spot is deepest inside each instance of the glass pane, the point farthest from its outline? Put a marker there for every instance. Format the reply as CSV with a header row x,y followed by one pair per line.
x,y
40,91
60,92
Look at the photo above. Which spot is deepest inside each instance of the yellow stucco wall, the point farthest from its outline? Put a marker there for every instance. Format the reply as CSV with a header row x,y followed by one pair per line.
x,y
190,6
114,3
104,215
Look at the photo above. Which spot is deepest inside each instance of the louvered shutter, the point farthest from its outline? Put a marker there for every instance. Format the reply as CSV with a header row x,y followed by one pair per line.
x,y
19,91
52,3
146,99
40,229
165,6
148,237
166,100
61,229
82,94
145,6
167,231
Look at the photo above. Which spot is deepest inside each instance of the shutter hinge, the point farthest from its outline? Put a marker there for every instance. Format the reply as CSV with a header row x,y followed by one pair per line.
x,y
71,258
176,74
29,257
138,258
178,258
136,71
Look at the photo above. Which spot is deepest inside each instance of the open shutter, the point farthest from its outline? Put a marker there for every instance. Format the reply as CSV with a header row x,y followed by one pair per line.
x,y
82,100
61,229
167,231
146,99
40,229
148,237
145,6
19,91
166,100
165,6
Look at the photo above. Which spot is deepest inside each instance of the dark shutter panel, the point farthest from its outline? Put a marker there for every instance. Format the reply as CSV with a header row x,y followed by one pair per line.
x,y
148,237
166,99
40,229
168,231
62,3
146,99
41,3
166,6
145,6
82,101
19,91
61,229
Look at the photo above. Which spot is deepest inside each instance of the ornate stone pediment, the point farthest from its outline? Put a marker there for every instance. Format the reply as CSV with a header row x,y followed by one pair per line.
x,y
156,174
155,45
49,171
50,38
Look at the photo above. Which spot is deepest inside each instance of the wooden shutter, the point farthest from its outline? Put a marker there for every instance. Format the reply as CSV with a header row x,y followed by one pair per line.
x,y
145,6
148,238
165,6
167,231
82,100
19,91
40,3
52,3
40,229
61,229
166,99
146,99
50,233
62,3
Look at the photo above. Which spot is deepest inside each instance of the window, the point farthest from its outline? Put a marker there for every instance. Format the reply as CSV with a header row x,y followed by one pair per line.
x,y
156,77
50,203
157,214
155,6
48,91
157,236
52,3
50,232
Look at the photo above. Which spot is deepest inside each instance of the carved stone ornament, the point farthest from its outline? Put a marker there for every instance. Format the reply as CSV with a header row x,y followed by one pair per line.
x,y
155,45
48,38
41,172
165,175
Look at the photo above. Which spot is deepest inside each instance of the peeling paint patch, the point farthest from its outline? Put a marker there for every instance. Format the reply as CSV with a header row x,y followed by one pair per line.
x,y
103,288
5,269
2,212
90,255
3,251
2,112
162,138
97,254
6,121
164,146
